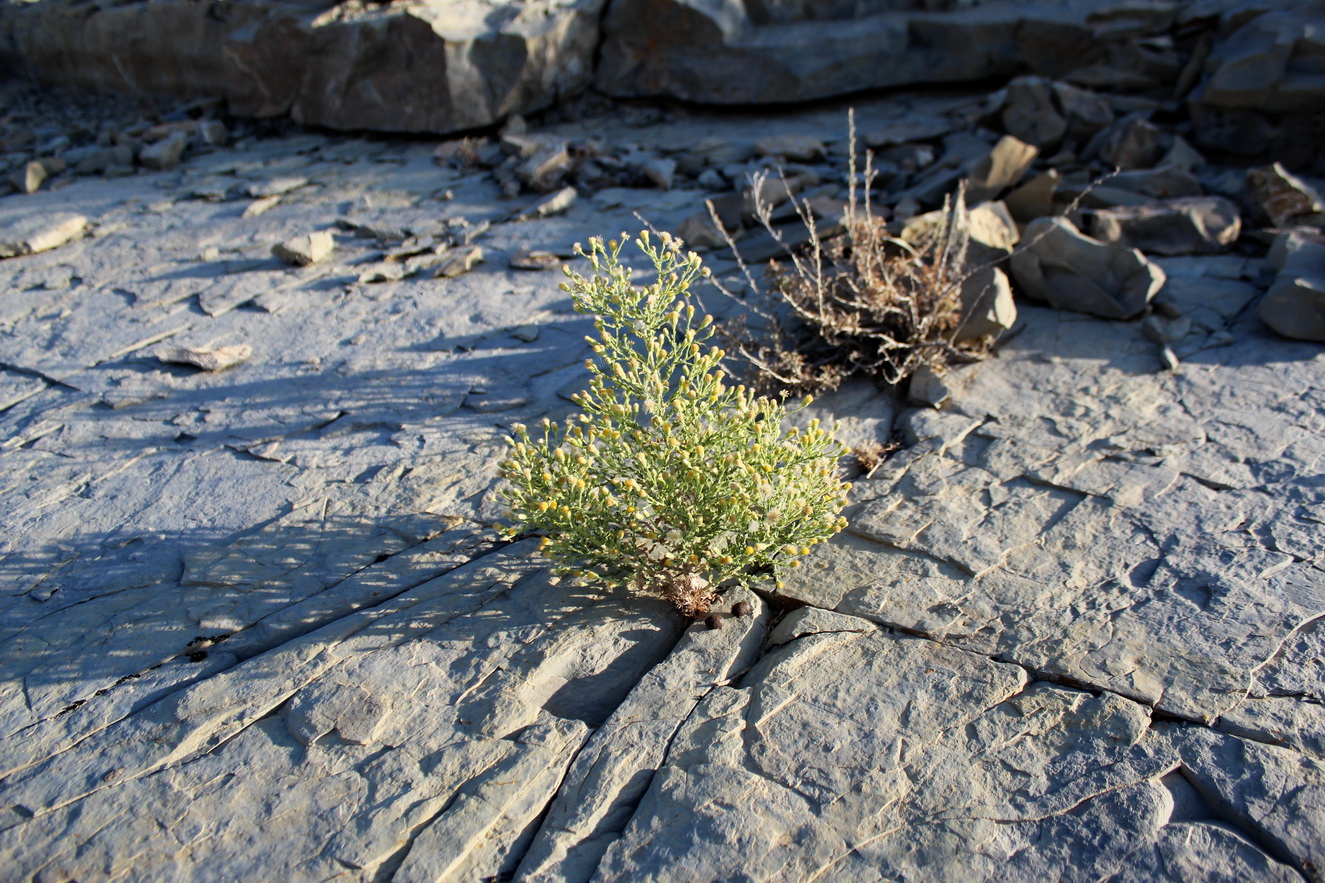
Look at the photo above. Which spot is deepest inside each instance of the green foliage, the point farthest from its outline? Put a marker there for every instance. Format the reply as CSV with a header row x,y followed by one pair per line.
x,y
670,481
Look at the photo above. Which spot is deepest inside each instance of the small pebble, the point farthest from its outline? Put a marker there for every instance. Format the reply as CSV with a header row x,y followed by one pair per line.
x,y
741,608
714,621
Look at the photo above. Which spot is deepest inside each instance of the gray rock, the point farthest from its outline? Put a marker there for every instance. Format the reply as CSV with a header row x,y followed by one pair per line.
x,y
1086,112
910,129
988,308
545,166
1295,304
1263,64
1133,143
1071,271
309,248
277,186
739,54
166,153
792,148
659,172
459,261
1162,182
1034,199
1000,170
610,776
1030,114
928,387
30,178
1191,225
1276,194
33,234
553,204
346,72
829,786
208,359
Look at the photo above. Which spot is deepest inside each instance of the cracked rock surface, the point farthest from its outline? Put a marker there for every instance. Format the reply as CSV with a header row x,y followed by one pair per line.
x,y
255,624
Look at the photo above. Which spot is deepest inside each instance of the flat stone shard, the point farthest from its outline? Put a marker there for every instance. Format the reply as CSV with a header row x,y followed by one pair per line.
x,y
309,248
1071,271
1190,225
1001,169
38,233
218,359
166,153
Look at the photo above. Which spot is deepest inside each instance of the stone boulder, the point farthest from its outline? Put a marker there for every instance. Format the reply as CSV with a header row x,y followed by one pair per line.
x,y
433,66
755,53
1059,264
1190,225
1268,62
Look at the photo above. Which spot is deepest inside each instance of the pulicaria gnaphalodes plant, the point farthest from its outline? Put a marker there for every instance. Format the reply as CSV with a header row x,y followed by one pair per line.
x,y
670,481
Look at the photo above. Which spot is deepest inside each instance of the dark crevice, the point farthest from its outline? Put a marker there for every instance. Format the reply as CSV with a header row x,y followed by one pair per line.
x,y
733,682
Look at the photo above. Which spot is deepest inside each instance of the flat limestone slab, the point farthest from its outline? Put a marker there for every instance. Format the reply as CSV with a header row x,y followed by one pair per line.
x,y
254,622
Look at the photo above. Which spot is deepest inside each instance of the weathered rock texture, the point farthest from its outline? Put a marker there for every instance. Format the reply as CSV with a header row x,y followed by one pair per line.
x,y
434,66
1248,69
739,53
255,624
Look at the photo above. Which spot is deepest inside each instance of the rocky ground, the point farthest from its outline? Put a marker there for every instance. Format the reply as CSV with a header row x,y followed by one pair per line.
x,y
256,624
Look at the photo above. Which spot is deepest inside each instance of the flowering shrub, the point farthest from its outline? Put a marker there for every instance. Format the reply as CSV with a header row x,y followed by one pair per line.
x,y
670,481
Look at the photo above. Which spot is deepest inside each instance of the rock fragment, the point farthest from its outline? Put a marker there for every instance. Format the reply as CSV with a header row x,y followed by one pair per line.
x,y
928,388
310,248
526,258
659,172
545,167
1295,304
1191,225
554,204
42,233
988,308
1161,182
1134,143
218,359
166,153
795,148
1034,199
698,231
908,130
1001,169
459,261
29,178
1059,264
96,160
276,186
261,206
1030,114
1283,197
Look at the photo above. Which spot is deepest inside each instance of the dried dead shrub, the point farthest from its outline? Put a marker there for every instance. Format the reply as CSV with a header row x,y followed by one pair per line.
x,y
858,302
